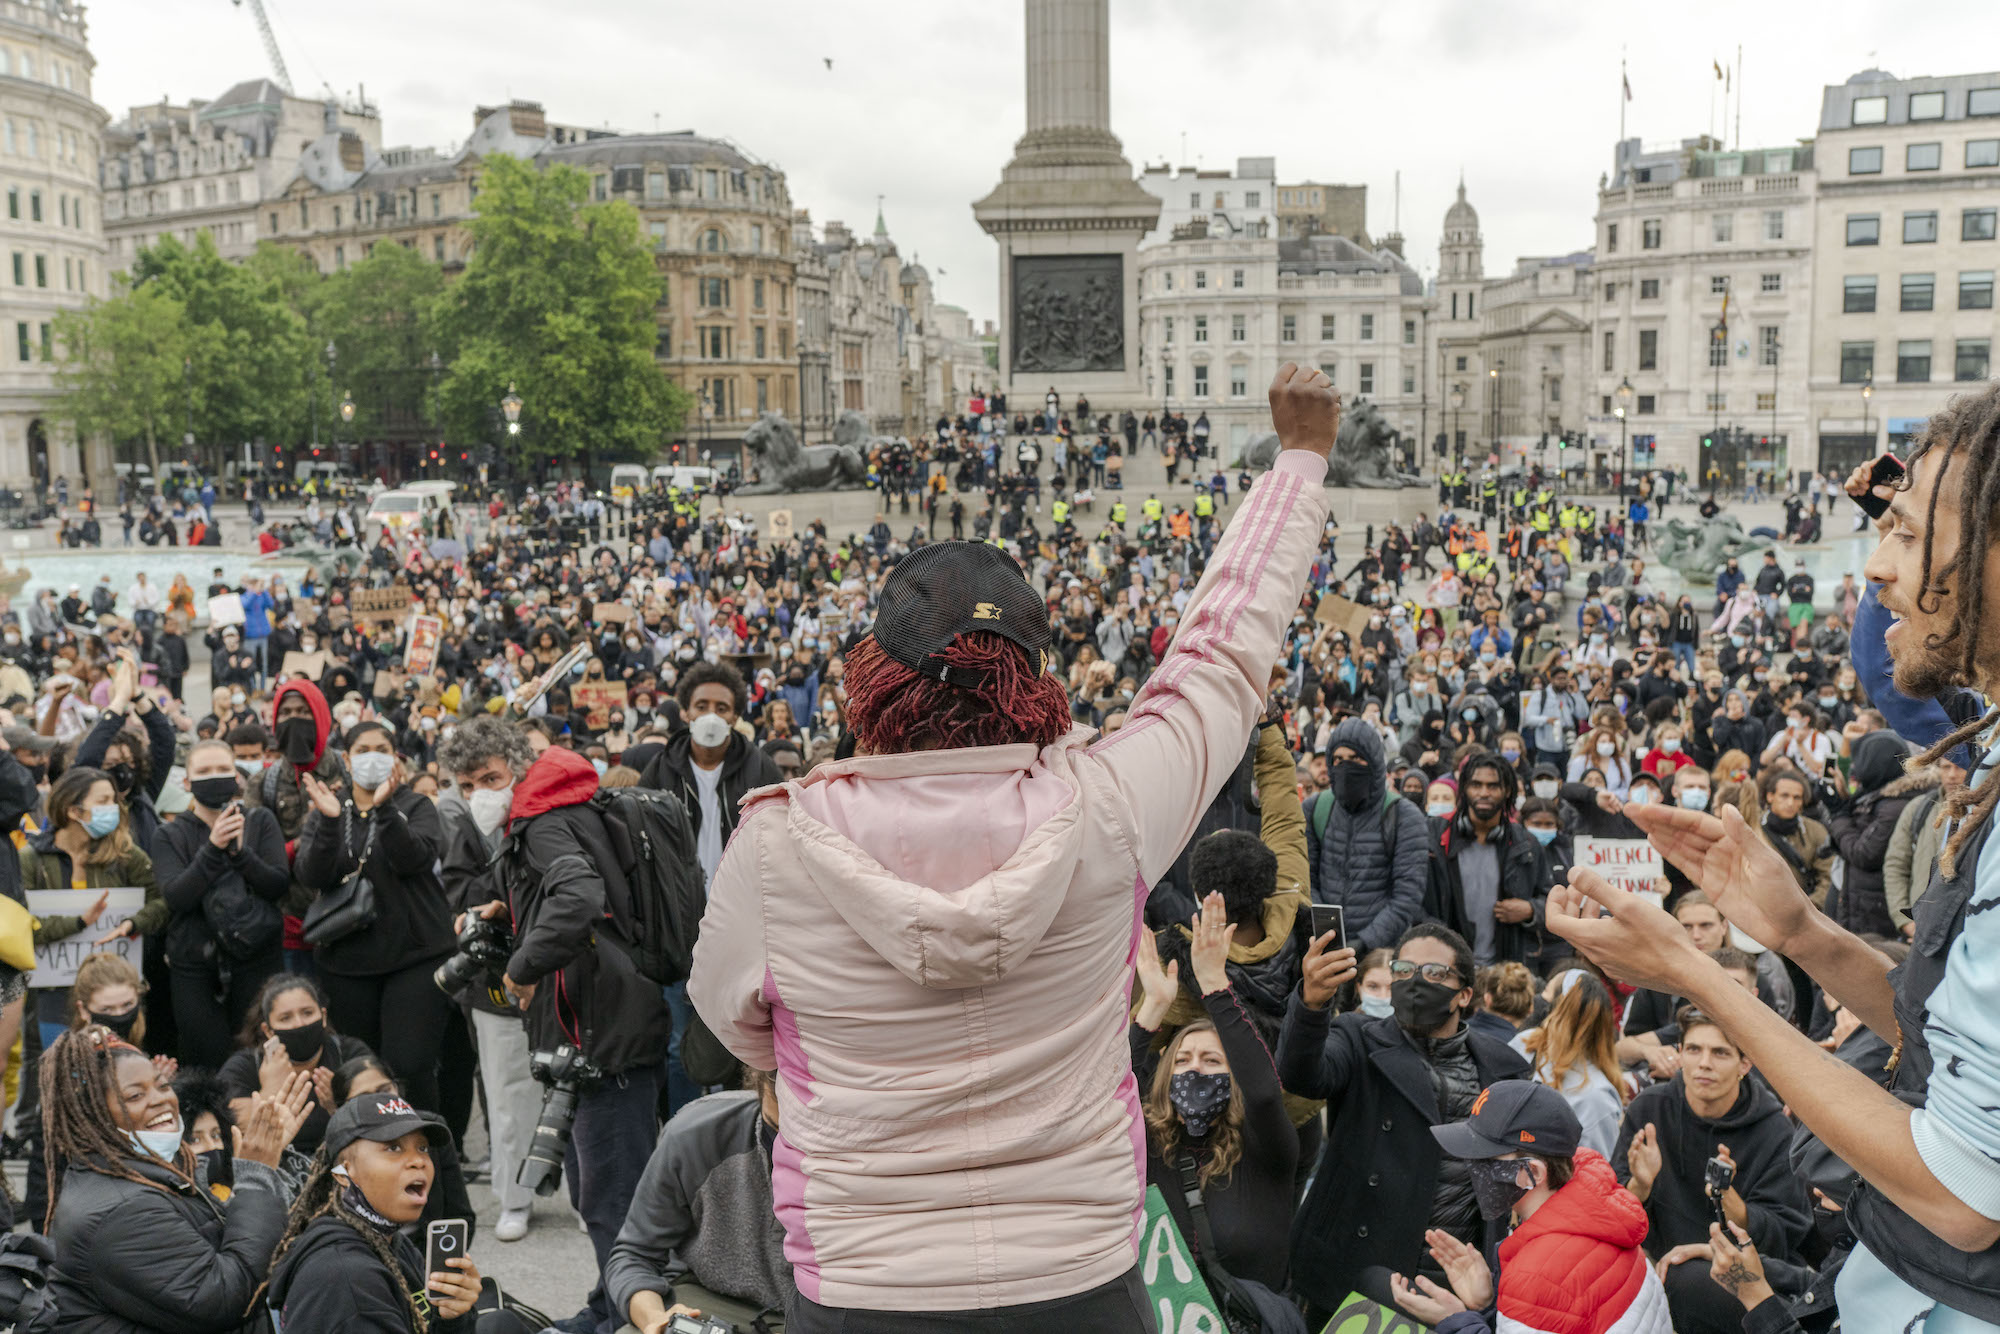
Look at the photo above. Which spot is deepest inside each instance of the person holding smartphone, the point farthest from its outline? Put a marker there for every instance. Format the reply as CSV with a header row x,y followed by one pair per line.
x,y
344,1264
222,869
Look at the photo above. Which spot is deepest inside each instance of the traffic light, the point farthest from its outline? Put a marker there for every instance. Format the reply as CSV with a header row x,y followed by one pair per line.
x,y
1708,442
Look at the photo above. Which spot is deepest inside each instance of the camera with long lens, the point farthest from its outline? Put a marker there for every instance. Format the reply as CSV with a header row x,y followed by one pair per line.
x,y
567,1074
484,946
697,1324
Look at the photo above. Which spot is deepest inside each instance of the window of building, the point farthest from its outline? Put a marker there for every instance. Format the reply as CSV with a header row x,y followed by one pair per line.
x,y
1649,349
1978,224
1236,278
1409,381
1237,331
34,205
1194,199
1646,405
1239,381
1717,284
20,269
1253,199
1722,228
1649,289
1716,402
1461,364
1982,152
757,344
600,190
1610,351
21,342
1774,224
1611,238
1168,276
1200,380
715,292
1167,329
1770,282
1454,305
763,390
656,185
1974,359
1920,228
1767,401
1864,229
340,257
1367,328
1975,290
1919,291
1926,106
711,184
1367,384
1201,328
1983,102
69,276
1923,157
1649,234
1857,362
274,223
1200,279
1858,295
658,231
1288,329
756,294
1169,382
437,247
712,240
1870,111
757,237
336,215
714,341
1326,328
1864,161
1409,333
1718,347
41,270
1913,361
1767,344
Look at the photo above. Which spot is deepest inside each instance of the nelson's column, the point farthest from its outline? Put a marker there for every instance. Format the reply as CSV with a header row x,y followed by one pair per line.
x,y
1068,216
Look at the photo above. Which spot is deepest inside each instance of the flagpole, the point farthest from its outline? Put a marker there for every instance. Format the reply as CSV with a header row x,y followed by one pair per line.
x,y
1739,97
1624,96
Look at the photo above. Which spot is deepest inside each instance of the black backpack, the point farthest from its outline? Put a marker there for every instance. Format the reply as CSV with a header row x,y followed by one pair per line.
x,y
654,840
27,1262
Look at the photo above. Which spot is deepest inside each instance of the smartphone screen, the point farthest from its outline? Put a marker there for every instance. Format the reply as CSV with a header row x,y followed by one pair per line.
x,y
1329,917
1888,470
443,1240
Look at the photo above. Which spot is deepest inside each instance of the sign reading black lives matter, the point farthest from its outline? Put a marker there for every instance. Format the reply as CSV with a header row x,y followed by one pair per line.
x,y
56,961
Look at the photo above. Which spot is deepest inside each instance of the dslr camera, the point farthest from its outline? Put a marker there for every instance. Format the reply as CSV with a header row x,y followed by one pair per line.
x,y
567,1074
484,946
697,1324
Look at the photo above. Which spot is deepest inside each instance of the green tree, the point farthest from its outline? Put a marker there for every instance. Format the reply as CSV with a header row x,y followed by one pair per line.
x,y
380,316
557,301
119,368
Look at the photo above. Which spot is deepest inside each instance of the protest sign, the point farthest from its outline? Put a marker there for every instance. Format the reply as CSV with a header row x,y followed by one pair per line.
x,y
1358,1315
1337,611
780,524
56,962
308,665
380,604
607,612
225,610
420,659
598,700
1174,1287
389,683
1630,863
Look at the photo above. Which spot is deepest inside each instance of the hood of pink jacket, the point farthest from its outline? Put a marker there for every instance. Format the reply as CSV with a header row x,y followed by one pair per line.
x,y
949,864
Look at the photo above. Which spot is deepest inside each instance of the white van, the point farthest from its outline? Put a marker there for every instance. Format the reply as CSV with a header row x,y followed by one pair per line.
x,y
628,480
407,507
685,476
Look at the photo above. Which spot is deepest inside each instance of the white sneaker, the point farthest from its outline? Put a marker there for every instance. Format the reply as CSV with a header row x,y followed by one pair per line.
x,y
513,1225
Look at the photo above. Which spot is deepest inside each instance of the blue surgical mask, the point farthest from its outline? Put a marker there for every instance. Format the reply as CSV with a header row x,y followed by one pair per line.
x,y
162,1144
1443,809
1694,798
1511,755
1378,1007
1543,836
103,819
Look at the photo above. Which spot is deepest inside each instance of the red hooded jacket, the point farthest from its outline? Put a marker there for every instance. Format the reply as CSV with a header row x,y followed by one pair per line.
x,y
322,729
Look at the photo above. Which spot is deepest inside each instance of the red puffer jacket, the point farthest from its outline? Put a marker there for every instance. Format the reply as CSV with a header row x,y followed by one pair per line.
x,y
1575,1267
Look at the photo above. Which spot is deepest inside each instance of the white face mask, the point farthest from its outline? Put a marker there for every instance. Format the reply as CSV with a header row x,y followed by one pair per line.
x,y
490,807
371,768
1545,788
709,731
1606,749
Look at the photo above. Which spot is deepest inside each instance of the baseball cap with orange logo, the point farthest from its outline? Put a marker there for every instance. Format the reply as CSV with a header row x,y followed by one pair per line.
x,y
1514,1116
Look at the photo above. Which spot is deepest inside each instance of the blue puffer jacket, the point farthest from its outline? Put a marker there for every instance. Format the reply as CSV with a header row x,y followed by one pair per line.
x,y
1352,862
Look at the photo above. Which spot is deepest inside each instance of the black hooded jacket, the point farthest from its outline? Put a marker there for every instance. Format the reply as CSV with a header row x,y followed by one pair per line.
x,y
1373,861
331,1281
745,768
1861,832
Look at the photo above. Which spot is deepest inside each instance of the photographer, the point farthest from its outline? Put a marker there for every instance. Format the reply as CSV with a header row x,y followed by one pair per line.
x,y
1708,1126
564,895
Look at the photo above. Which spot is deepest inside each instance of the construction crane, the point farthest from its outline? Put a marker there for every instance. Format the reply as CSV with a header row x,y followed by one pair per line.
x,y
277,59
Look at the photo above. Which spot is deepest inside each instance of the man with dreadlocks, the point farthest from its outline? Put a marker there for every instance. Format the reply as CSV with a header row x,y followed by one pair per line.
x,y
139,1245
1926,1215
932,943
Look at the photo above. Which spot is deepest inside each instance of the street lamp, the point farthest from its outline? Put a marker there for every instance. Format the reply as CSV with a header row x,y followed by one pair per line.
x,y
1457,406
1624,396
1867,417
511,407
1493,405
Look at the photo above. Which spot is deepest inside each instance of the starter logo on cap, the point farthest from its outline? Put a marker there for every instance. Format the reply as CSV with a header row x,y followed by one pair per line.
x,y
985,611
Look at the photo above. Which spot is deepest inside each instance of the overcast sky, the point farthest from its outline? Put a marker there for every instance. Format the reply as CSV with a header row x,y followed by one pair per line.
x,y
924,99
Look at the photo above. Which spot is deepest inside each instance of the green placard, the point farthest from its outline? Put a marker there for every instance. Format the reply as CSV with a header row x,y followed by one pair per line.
x,y
1174,1286
1358,1315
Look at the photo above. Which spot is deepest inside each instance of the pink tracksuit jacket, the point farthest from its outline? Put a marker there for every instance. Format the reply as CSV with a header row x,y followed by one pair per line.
x,y
934,951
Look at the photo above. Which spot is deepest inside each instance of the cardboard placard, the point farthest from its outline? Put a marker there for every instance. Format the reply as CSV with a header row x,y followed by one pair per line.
x,y
611,611
1174,1286
380,604
308,665
1630,863
389,683
426,633
597,699
226,609
1342,614
780,525
56,962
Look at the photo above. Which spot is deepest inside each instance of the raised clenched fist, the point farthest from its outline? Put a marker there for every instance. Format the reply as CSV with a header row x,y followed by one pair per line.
x,y
1305,409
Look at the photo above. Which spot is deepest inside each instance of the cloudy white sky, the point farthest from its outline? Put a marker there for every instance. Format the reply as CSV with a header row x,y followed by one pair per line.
x,y
924,98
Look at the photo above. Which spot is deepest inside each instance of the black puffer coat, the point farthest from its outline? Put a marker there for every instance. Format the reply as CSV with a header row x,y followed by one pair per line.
x,y
1352,863
134,1260
1861,832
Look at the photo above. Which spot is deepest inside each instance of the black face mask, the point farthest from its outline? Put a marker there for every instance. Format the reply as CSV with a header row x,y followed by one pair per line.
x,y
221,1168
216,792
298,738
123,776
1495,1187
121,1024
1422,1007
1353,784
304,1042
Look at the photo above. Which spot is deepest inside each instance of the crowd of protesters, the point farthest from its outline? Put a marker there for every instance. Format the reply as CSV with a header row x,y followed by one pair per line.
x,y
1428,1098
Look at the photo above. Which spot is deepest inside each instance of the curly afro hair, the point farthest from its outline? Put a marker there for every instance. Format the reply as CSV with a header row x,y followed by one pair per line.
x,y
1238,866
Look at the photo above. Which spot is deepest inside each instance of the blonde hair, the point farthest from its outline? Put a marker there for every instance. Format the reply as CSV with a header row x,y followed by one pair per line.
x,y
1581,1029
1509,990
94,974
1163,1123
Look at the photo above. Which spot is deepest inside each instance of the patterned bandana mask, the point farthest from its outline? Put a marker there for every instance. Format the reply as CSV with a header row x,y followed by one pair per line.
x,y
1495,1185
1199,1098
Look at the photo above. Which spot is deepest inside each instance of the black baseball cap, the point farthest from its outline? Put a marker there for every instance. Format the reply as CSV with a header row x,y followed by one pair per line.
x,y
1514,1116
941,591
381,1117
